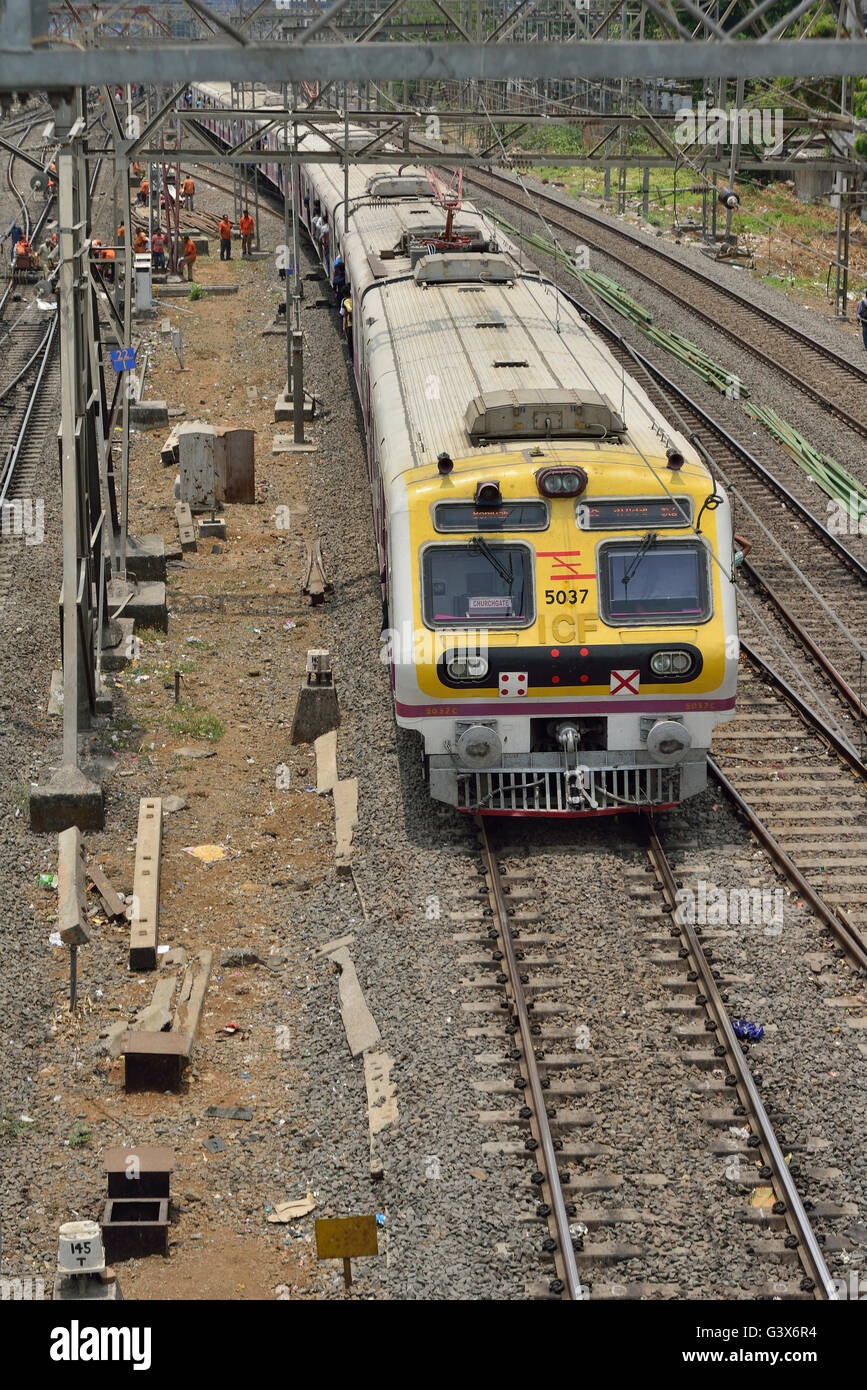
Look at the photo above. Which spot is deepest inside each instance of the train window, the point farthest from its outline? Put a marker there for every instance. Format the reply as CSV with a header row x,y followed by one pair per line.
x,y
481,584
509,516
633,514
653,581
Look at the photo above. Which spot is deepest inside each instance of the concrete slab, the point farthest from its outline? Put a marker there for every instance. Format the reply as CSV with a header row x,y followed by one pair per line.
x,y
69,798
71,903
360,1025
381,1093
283,407
235,463
145,912
148,415
345,816
186,529
325,748
146,557
284,444
110,901
55,694
116,658
213,528
330,946
145,603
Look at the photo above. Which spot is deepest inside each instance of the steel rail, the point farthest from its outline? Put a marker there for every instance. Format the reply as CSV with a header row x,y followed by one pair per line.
x,y
26,368
796,1217
839,682
548,1152
12,457
834,918
806,712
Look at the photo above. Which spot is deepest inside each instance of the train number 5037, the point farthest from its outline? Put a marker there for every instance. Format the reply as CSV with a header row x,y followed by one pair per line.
x,y
566,595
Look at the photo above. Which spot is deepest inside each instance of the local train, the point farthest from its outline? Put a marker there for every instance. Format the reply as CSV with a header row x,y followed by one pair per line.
x,y
556,560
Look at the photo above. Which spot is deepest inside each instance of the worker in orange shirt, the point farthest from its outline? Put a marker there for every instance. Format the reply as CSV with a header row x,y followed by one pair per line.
x,y
144,189
190,254
248,227
140,245
121,234
188,188
106,256
225,230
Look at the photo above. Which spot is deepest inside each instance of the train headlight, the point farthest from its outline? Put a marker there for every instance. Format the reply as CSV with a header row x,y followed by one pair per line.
x,y
467,668
670,663
561,482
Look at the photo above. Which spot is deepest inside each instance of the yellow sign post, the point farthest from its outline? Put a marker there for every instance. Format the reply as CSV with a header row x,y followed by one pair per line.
x,y
346,1238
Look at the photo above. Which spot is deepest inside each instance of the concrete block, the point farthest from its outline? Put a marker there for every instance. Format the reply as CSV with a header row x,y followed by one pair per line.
x,y
55,694
146,557
345,816
148,415
283,407
325,748
145,915
285,444
213,528
69,798
169,452
71,903
145,603
316,712
197,444
186,529
115,657
236,465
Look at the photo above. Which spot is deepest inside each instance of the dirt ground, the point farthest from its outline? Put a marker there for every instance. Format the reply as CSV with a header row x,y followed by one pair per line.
x,y
239,629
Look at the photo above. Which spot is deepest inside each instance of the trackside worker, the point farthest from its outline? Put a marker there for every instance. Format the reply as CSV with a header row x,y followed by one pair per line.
x,y
106,256
144,189
248,228
158,250
188,188
141,242
861,315
121,233
190,254
225,230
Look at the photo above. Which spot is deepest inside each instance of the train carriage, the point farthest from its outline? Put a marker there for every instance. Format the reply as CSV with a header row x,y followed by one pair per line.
x,y
556,560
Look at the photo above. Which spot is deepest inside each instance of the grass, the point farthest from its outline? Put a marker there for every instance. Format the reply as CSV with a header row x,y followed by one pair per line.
x,y
151,636
196,292
80,1137
188,720
19,795
12,1126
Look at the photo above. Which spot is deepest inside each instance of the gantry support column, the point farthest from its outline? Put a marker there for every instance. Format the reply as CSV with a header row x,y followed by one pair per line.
x,y
70,798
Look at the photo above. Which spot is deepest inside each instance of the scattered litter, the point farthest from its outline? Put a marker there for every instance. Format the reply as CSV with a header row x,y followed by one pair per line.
x,y
748,1032
54,939
161,950
229,1030
214,1145
380,1219
290,1211
289,623
211,854
47,880
229,1112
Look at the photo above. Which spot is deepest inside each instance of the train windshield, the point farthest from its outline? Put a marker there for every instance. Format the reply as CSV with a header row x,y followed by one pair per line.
x,y
484,584
649,581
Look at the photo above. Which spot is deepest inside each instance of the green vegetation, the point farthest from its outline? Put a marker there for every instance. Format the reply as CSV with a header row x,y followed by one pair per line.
x,y
188,720
150,636
196,292
14,1126
80,1137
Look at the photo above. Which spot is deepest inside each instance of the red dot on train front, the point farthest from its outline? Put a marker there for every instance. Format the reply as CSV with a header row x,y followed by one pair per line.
x,y
584,679
555,680
584,652
555,651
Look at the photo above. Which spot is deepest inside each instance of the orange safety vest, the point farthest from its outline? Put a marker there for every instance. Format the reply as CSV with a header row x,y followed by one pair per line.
x,y
107,254
190,250
247,226
140,243
225,230
188,186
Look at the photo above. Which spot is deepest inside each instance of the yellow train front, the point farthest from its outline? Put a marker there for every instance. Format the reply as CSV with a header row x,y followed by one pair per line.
x,y
564,631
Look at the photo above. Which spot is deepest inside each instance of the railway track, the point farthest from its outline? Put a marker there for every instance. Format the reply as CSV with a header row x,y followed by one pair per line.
x,y
593,1038
28,404
820,372
786,619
